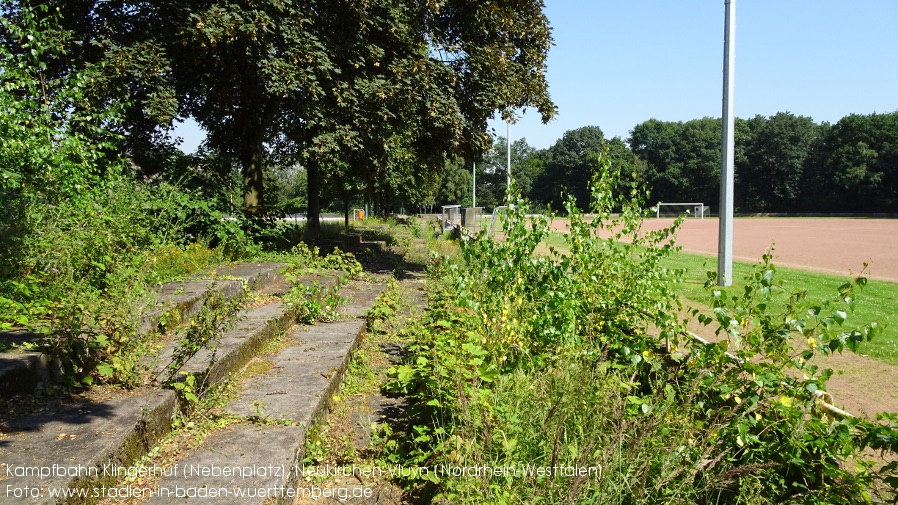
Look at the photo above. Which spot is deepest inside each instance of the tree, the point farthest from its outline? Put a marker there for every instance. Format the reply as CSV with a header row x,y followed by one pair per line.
x,y
569,166
432,94
387,88
854,165
492,175
682,160
771,179
527,163
456,185
655,142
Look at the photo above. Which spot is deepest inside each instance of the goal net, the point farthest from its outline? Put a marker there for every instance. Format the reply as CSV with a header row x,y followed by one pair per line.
x,y
691,209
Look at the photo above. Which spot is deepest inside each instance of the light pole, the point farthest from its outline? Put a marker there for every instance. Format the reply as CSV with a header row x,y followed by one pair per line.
x,y
725,238
474,186
508,171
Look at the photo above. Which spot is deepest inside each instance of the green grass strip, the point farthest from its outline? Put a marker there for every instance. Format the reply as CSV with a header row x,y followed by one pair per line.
x,y
877,302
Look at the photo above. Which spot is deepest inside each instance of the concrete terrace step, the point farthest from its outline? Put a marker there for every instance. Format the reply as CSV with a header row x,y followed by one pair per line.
x,y
77,446
59,449
253,328
22,372
178,301
260,461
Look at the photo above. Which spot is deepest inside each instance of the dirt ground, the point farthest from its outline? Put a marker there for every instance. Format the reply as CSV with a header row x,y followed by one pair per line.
x,y
863,385
833,245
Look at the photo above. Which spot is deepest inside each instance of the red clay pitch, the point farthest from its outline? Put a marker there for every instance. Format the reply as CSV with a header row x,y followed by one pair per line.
x,y
834,245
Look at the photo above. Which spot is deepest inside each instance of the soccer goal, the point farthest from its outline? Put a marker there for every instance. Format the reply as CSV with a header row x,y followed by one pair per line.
x,y
691,209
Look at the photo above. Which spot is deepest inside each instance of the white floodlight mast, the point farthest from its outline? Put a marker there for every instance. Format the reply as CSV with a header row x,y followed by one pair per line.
x,y
725,239
508,172
474,186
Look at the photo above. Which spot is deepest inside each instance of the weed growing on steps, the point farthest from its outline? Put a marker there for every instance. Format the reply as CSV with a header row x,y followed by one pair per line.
x,y
336,439
315,302
202,417
190,428
305,259
202,332
539,375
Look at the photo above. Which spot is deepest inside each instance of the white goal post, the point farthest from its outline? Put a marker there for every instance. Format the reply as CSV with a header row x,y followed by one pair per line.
x,y
690,208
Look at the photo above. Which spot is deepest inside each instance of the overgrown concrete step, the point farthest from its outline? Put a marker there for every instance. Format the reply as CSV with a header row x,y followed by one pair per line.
x,y
261,462
360,296
258,463
52,452
94,438
237,345
178,301
302,376
22,372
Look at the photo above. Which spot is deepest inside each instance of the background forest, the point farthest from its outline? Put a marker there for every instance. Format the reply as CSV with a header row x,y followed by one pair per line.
x,y
784,163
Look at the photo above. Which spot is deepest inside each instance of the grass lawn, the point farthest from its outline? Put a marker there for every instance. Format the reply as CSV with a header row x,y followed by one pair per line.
x,y
878,301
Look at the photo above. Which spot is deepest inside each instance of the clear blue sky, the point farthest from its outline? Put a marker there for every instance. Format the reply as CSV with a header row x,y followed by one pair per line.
x,y
617,63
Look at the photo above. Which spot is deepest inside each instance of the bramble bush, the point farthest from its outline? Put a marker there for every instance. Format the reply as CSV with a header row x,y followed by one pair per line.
x,y
578,359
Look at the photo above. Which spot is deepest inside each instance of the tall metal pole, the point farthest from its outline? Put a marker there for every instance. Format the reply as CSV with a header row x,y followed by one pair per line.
x,y
508,174
474,186
725,239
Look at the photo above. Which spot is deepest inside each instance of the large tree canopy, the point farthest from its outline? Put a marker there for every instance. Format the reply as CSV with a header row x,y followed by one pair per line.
x,y
371,98
377,92
853,165
777,151
682,159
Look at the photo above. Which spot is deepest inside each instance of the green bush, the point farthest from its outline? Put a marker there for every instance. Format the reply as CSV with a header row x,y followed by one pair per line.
x,y
578,360
83,233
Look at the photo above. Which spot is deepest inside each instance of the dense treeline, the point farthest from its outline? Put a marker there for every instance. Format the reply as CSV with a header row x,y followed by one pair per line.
x,y
368,99
784,163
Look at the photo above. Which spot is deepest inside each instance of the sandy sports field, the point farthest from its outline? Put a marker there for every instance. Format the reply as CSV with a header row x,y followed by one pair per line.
x,y
839,246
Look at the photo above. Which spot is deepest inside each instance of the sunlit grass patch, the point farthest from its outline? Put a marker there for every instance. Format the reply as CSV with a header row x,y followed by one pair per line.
x,y
876,302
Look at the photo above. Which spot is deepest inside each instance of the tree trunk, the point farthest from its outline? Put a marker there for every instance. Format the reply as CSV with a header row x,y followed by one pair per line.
x,y
253,151
253,188
313,222
346,214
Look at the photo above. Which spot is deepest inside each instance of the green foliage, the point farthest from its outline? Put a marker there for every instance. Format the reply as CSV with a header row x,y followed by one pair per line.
x,y
203,332
878,296
456,185
571,162
312,301
187,387
853,165
305,259
682,159
83,235
54,145
784,163
587,345
527,165
375,106
778,151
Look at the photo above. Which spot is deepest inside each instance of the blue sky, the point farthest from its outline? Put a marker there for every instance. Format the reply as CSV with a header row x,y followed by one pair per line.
x,y
617,63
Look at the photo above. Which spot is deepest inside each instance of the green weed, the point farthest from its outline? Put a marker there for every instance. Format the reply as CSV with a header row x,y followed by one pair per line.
x,y
548,361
